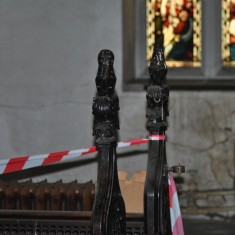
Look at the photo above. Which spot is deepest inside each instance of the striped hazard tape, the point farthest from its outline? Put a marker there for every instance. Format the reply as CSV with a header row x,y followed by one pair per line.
x,y
175,214
26,162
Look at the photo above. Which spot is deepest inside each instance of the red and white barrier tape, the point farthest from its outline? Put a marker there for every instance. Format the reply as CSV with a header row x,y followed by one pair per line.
x,y
176,218
26,162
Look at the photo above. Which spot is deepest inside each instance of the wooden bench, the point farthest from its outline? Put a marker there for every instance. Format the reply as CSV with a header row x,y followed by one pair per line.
x,y
47,209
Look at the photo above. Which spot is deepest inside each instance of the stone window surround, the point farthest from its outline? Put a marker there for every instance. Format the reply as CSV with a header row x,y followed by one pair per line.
x,y
211,76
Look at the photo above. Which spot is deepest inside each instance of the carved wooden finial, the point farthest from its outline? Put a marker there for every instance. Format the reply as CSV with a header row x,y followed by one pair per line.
x,y
106,103
105,79
157,93
158,68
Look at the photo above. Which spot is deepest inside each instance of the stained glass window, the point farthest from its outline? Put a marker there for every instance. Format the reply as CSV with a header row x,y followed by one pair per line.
x,y
177,25
228,32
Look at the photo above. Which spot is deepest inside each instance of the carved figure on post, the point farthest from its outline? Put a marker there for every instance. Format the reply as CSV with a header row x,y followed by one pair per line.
x,y
108,215
156,195
158,93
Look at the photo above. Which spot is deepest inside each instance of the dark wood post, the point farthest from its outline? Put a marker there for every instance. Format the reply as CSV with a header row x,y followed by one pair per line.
x,y
156,195
108,214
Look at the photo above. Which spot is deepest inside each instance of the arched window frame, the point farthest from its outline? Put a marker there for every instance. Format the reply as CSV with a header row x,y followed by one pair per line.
x,y
212,75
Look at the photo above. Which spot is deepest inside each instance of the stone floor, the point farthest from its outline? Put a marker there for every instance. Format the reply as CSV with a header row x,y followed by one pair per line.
x,y
208,227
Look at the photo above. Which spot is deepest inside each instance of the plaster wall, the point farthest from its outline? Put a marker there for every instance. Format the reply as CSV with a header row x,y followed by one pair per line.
x,y
48,64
